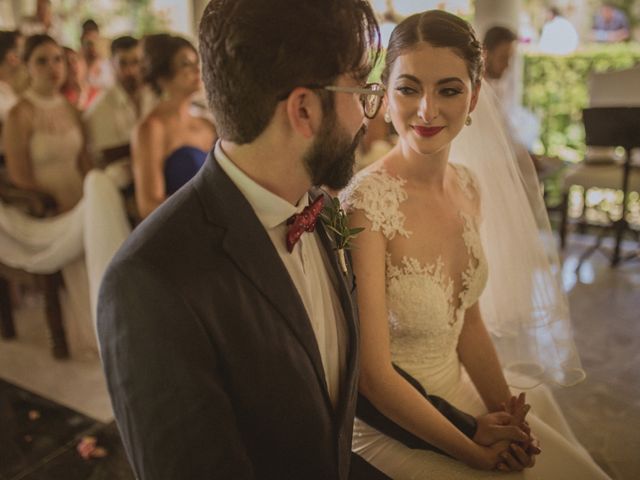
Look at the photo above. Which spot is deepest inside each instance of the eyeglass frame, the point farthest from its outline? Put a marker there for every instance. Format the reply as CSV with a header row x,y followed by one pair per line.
x,y
362,91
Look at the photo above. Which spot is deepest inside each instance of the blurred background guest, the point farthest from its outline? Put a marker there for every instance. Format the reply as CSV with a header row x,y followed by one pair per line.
x,y
170,145
76,88
558,35
112,117
44,21
610,24
43,139
9,67
523,127
499,48
99,72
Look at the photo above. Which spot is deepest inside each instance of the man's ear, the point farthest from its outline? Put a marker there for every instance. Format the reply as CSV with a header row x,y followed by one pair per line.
x,y
304,111
475,93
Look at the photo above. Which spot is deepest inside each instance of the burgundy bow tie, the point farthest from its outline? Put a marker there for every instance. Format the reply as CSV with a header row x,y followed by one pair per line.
x,y
304,221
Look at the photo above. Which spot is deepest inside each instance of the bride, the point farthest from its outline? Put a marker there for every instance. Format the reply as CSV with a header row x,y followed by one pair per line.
x,y
431,246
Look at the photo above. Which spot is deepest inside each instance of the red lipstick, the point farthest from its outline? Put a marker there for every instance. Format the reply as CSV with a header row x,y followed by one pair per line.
x,y
427,131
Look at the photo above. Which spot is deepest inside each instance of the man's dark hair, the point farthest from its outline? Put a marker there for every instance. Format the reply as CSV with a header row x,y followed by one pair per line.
x,y
125,42
498,35
8,41
90,25
33,42
255,52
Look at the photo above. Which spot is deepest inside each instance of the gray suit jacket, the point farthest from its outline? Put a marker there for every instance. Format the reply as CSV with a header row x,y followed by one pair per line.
x,y
211,361
210,358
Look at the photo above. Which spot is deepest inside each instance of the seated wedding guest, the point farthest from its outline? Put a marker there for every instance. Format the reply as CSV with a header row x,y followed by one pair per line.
x,y
43,138
610,24
9,67
76,88
99,72
114,114
170,145
45,151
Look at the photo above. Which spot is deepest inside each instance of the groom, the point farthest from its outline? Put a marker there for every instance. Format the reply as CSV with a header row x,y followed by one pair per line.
x,y
227,326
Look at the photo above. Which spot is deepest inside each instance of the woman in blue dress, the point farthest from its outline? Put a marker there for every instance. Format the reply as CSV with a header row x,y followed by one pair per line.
x,y
171,143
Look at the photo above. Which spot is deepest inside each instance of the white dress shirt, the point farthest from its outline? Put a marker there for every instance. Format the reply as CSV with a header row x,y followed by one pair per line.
x,y
307,265
112,117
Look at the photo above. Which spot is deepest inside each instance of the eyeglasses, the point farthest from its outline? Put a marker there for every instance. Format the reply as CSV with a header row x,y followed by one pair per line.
x,y
370,95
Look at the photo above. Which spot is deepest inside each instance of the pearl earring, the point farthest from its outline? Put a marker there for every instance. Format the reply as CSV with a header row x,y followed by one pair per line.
x,y
468,121
387,117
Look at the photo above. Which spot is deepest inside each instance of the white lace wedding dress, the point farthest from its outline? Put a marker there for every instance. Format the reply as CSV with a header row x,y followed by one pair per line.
x,y
426,308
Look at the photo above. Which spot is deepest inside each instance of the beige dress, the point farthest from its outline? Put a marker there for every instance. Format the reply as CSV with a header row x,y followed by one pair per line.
x,y
54,147
426,311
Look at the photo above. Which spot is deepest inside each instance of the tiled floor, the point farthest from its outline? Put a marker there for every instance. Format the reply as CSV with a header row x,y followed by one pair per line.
x,y
604,410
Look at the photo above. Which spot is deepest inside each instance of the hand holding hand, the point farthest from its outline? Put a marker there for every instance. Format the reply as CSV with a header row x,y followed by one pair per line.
x,y
522,454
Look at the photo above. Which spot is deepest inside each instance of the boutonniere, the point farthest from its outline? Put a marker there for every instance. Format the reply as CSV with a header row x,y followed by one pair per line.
x,y
335,220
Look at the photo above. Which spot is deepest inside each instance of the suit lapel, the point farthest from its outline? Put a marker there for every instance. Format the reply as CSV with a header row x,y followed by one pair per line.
x,y
248,245
345,282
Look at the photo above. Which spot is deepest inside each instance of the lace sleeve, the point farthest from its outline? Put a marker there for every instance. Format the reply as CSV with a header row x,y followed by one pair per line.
x,y
379,196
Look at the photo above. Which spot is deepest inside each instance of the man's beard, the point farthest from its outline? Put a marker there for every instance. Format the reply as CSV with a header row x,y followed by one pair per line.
x,y
332,156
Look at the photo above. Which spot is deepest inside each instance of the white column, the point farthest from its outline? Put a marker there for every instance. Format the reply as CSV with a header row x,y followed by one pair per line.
x,y
490,13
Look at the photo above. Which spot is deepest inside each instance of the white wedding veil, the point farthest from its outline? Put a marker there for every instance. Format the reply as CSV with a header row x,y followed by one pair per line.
x,y
524,305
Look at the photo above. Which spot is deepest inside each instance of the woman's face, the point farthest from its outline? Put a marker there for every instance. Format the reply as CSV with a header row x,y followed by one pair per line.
x,y
47,67
76,67
429,96
186,72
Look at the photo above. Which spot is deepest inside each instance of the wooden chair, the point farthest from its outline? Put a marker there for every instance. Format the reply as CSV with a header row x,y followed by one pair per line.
x,y
38,205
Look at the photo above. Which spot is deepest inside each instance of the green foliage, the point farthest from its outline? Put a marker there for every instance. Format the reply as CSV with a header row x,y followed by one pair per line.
x,y
555,88
336,221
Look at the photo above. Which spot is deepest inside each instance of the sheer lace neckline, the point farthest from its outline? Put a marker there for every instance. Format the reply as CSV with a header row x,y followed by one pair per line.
x,y
380,194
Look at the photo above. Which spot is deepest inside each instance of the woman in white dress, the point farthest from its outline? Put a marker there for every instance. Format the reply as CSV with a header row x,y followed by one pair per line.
x,y
421,269
44,141
45,151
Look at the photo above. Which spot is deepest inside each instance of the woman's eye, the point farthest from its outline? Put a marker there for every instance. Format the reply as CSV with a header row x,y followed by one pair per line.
x,y
405,90
450,92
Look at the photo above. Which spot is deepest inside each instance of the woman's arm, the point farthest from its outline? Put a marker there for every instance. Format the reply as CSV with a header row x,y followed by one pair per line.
x,y
147,149
17,132
478,355
379,382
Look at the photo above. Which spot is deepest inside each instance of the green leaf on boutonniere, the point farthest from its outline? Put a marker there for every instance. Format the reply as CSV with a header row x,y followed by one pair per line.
x,y
336,221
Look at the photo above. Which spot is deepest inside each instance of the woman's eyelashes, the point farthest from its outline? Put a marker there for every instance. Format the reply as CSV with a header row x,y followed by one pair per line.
x,y
404,90
450,91
445,92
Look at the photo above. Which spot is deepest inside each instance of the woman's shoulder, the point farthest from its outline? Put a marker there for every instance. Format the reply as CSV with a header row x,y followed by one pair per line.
x,y
22,110
467,181
378,194
152,124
